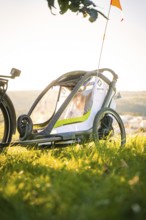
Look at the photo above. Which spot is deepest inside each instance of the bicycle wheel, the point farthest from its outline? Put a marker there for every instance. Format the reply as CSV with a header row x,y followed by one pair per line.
x,y
108,127
7,121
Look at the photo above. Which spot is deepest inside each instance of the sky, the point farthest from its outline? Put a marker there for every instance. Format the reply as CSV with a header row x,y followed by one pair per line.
x,y
44,46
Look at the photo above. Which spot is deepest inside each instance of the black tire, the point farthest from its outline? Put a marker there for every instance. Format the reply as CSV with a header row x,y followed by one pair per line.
x,y
24,126
108,126
6,124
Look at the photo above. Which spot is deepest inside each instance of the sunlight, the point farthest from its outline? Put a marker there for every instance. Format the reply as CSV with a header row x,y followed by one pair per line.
x,y
44,47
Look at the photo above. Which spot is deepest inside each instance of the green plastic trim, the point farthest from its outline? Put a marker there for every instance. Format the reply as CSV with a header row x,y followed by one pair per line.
x,y
72,120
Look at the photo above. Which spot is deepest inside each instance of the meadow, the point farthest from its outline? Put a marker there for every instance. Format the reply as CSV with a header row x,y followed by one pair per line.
x,y
81,182
78,182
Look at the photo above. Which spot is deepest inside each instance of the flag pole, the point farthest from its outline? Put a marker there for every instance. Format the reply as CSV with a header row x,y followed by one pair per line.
x,y
117,4
103,39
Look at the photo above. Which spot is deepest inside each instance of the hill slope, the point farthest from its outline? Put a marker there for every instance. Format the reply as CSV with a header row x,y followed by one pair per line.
x,y
133,103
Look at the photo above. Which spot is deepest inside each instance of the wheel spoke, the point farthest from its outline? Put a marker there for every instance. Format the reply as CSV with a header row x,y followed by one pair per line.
x,y
108,127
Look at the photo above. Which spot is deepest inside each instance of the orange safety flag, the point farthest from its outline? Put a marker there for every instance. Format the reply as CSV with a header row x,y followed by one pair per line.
x,y
116,3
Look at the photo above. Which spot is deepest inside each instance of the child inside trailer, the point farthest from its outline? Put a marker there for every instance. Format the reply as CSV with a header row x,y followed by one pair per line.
x,y
83,107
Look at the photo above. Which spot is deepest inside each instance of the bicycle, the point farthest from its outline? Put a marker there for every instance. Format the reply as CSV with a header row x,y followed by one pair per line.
x,y
7,110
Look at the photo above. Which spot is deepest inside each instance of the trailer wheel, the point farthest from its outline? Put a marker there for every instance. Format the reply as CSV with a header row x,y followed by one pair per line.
x,y
108,127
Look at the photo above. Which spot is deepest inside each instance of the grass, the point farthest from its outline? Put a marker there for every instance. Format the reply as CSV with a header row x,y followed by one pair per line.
x,y
80,182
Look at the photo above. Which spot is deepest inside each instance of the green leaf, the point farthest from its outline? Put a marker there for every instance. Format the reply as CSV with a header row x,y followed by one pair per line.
x,y
74,6
93,13
88,3
51,4
64,5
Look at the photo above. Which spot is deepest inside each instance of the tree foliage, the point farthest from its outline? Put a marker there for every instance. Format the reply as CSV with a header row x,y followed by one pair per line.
x,y
85,7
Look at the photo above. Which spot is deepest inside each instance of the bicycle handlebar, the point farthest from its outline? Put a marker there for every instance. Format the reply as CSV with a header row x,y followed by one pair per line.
x,y
14,73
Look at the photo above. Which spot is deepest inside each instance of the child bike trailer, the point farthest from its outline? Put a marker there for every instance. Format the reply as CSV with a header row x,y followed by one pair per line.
x,y
78,106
